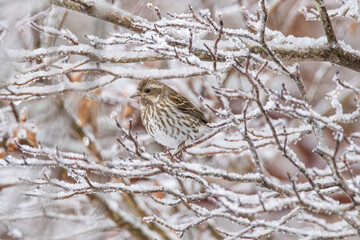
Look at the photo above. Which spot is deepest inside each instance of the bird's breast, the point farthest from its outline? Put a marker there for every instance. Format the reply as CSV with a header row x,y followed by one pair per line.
x,y
169,126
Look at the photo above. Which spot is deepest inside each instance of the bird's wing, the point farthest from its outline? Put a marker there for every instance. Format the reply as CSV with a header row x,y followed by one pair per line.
x,y
184,105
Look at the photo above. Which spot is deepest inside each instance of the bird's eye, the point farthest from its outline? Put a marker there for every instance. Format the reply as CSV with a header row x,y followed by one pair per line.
x,y
147,90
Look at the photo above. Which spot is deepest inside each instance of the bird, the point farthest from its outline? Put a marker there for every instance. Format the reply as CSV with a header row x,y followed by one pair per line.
x,y
169,117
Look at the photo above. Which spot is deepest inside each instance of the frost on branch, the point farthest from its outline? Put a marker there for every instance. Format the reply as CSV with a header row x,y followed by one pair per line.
x,y
278,81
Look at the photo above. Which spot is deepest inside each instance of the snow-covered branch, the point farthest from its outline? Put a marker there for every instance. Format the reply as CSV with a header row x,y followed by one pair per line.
x,y
281,155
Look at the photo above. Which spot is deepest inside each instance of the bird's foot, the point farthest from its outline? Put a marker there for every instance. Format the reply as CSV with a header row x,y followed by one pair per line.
x,y
171,156
167,152
181,148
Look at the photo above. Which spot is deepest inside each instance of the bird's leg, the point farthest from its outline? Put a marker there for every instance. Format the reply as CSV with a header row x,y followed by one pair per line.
x,y
174,158
181,148
167,152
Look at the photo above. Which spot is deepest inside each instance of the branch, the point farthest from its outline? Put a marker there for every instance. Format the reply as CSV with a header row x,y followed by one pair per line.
x,y
104,11
321,52
325,20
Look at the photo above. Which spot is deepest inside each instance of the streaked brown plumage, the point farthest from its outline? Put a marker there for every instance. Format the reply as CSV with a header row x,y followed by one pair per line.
x,y
168,116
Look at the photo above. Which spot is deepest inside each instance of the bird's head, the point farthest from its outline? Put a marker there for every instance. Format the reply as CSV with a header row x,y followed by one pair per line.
x,y
150,92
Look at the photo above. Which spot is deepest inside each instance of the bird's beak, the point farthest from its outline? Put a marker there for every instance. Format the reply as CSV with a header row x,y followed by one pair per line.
x,y
135,95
